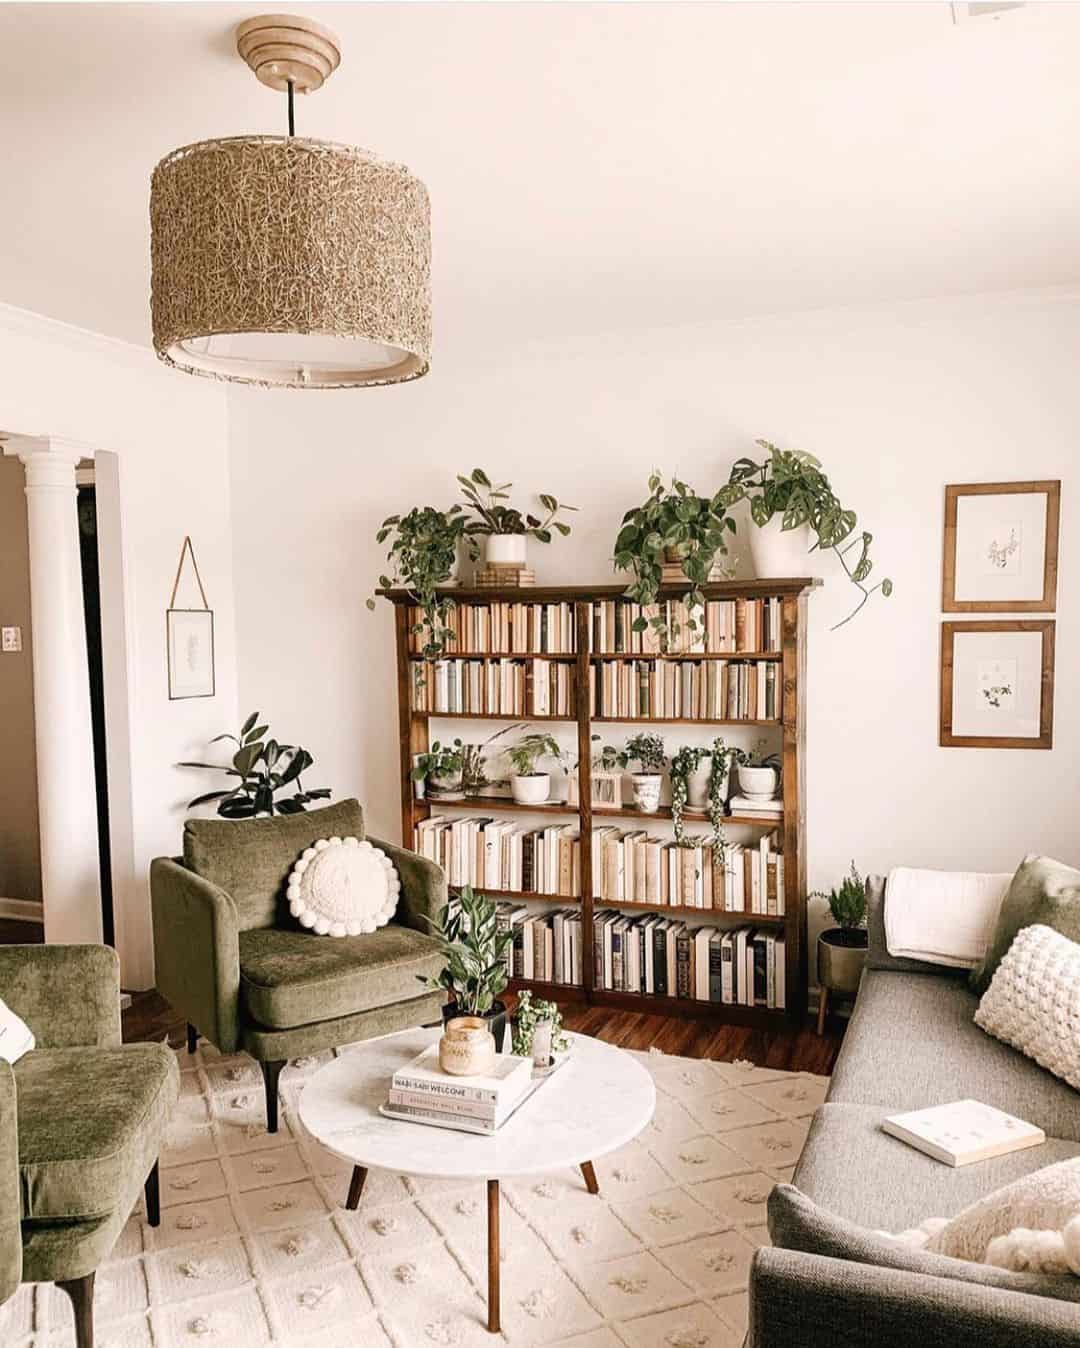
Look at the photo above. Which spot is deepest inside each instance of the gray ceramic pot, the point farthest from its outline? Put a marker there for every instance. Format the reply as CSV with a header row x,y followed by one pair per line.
x,y
840,958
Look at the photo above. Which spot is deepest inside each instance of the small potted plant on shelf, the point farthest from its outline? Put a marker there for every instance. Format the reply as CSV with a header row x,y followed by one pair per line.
x,y
474,975
262,767
674,526
537,1031
700,779
759,774
528,786
842,949
423,557
442,768
505,527
789,486
648,752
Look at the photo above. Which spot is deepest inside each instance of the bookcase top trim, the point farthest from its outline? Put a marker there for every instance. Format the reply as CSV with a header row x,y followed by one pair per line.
x,y
526,594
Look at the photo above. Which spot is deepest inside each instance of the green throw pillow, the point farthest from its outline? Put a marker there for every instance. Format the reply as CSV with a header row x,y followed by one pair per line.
x,y
1042,891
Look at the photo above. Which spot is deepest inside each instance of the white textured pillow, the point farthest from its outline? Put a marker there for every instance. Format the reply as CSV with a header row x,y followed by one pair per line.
x,y
343,887
1033,1001
942,917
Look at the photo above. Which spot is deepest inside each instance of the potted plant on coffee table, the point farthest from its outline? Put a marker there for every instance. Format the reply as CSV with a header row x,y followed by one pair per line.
x,y
647,751
537,1030
474,975
505,527
528,786
842,949
441,767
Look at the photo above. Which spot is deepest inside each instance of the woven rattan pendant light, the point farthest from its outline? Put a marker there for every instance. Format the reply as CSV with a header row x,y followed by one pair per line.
x,y
288,262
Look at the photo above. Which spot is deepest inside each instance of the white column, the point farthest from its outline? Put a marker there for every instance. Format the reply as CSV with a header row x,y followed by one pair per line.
x,y
67,806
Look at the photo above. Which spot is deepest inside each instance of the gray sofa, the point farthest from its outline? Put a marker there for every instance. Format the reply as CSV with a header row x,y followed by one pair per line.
x,y
829,1279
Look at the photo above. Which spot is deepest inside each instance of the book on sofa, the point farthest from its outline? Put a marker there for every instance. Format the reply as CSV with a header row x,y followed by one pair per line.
x,y
963,1132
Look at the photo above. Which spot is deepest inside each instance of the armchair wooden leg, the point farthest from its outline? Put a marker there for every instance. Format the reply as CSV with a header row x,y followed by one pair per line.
x,y
192,1038
271,1071
81,1292
152,1191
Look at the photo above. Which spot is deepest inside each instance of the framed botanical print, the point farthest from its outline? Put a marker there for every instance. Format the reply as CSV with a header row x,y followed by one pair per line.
x,y
1001,545
189,639
997,684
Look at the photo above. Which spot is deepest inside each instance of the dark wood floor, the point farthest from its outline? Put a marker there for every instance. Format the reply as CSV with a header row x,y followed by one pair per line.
x,y
151,1017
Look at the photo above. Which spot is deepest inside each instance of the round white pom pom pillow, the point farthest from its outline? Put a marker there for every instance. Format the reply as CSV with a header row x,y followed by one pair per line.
x,y
343,887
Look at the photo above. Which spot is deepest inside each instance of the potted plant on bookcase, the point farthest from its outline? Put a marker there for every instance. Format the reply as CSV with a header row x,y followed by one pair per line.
x,y
506,528
474,974
759,774
648,752
442,768
528,786
700,780
842,949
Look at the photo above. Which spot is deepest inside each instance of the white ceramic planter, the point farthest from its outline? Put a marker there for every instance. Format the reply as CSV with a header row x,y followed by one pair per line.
x,y
758,783
776,552
532,790
506,549
647,791
697,786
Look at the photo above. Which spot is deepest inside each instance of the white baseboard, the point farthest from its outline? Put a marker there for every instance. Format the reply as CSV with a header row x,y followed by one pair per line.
x,y
22,910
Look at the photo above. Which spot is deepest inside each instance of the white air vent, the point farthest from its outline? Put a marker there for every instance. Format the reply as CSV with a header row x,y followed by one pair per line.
x,y
985,9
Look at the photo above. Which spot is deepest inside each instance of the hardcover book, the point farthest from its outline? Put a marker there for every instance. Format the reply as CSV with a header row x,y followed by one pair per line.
x,y
963,1132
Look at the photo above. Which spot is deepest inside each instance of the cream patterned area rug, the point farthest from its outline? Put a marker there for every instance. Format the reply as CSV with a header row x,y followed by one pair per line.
x,y
255,1248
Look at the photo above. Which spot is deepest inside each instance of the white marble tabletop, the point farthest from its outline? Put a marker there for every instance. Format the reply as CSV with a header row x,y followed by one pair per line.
x,y
594,1104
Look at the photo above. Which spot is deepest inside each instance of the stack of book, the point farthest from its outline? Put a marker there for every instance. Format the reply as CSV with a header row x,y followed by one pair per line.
x,y
756,807
546,947
729,690
498,854
724,626
423,1093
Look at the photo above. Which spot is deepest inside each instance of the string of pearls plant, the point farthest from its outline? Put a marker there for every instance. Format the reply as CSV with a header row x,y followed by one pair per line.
x,y
688,759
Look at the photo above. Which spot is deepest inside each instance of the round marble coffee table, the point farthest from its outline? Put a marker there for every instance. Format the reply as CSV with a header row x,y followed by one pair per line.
x,y
594,1104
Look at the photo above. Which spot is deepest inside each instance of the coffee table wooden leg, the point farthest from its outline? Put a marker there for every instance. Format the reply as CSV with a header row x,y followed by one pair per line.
x,y
493,1256
588,1174
356,1187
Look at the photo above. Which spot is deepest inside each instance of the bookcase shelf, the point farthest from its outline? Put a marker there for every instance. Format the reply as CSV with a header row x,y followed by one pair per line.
x,y
790,725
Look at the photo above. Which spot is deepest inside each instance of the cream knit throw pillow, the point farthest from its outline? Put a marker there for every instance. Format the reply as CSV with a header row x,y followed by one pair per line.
x,y
343,887
1033,1002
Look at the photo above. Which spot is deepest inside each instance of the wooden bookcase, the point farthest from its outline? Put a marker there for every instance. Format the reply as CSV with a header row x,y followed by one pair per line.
x,y
790,731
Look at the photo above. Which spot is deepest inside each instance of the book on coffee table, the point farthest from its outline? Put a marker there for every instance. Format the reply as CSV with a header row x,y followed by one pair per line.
x,y
963,1132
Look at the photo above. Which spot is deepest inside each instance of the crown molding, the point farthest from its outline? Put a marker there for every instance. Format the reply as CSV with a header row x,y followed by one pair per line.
x,y
16,322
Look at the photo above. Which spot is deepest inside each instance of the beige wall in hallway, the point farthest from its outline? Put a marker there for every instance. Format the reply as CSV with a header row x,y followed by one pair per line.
x,y
20,863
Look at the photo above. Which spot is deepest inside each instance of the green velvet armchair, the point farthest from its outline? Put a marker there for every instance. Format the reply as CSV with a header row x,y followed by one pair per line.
x,y
82,1118
243,972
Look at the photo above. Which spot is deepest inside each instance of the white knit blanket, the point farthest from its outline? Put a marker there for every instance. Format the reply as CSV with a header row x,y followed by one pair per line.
x,y
942,917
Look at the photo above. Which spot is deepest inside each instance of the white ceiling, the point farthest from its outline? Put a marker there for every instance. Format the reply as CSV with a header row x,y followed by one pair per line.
x,y
591,166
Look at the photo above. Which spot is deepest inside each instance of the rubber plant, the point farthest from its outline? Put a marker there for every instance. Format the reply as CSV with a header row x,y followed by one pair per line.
x,y
422,557
687,761
688,528
262,767
792,484
492,514
474,949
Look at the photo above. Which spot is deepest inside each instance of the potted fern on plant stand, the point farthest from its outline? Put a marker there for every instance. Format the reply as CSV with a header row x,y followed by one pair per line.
x,y
842,949
474,975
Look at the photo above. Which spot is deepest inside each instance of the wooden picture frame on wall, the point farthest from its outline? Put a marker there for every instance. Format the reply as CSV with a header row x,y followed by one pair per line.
x,y
1001,547
997,684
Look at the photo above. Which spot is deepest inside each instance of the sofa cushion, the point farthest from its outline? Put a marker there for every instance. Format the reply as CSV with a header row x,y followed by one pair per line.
x,y
1042,891
250,858
922,1026
798,1223
856,1171
89,1119
291,978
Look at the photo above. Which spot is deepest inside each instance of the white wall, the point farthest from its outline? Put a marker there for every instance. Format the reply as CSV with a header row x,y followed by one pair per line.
x,y
896,403
169,435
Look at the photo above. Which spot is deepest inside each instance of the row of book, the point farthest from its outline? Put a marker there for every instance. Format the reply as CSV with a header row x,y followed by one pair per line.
x,y
710,690
658,956
489,853
494,688
546,947
721,626
632,866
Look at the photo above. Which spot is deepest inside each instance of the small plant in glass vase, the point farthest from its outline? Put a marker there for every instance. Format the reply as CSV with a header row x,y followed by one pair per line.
x,y
441,767
528,786
842,949
474,975
505,527
647,751
700,779
759,773
537,1030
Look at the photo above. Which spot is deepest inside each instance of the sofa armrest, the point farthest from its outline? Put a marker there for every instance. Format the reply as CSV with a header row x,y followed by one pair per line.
x,y
196,950
423,886
815,1302
10,1199
69,995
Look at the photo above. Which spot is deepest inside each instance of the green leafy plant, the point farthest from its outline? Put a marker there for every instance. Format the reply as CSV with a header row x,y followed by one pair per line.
x,y
262,767
647,751
760,756
792,484
494,516
474,950
847,902
526,752
529,1014
694,529
687,761
609,758
422,556
441,760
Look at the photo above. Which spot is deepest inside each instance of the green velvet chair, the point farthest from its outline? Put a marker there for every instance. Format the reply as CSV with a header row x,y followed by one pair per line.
x,y
243,972
82,1118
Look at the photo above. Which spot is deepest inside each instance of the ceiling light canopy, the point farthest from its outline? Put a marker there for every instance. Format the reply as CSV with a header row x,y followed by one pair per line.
x,y
284,261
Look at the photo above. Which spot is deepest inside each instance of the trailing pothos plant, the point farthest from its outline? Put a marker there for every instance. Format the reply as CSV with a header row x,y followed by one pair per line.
x,y
474,950
691,529
494,516
686,762
422,556
262,767
792,484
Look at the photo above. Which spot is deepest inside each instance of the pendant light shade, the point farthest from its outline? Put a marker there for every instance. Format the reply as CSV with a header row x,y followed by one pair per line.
x,y
289,262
